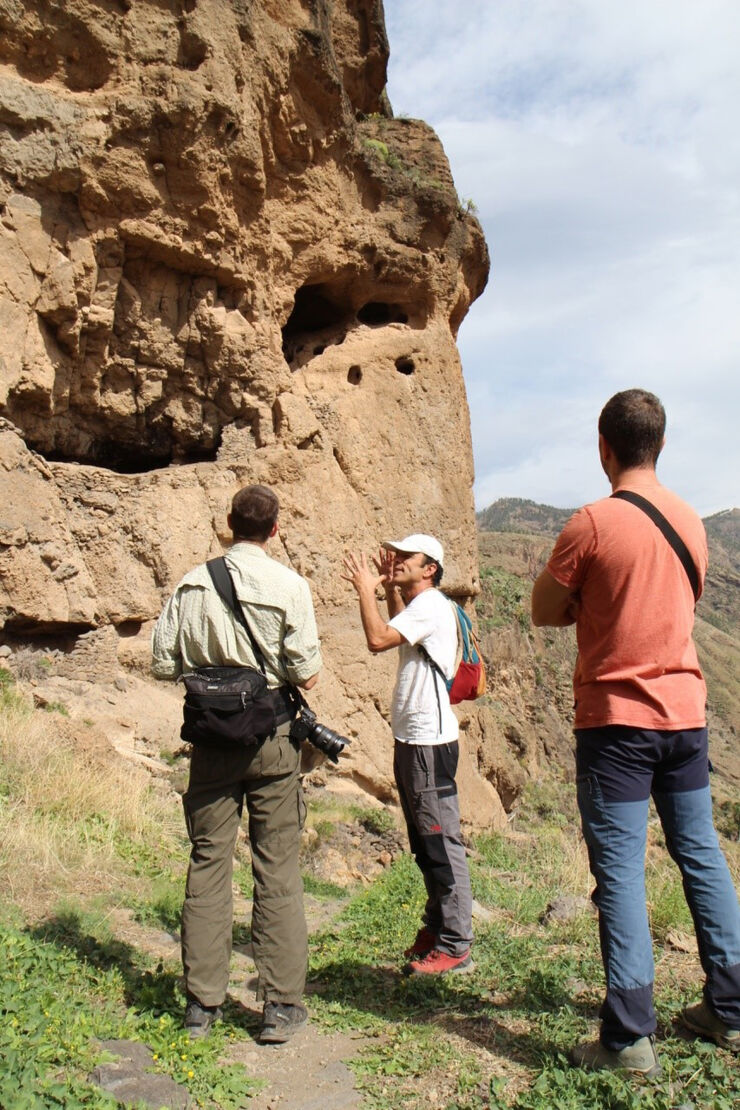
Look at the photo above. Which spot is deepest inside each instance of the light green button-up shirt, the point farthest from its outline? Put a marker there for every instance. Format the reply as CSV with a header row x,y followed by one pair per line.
x,y
197,629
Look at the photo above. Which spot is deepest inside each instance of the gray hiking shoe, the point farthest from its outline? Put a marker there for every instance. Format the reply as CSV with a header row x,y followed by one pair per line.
x,y
639,1058
199,1019
280,1020
700,1019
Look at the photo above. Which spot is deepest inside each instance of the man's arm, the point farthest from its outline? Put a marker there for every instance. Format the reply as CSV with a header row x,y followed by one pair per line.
x,y
379,635
552,603
166,657
393,600
300,648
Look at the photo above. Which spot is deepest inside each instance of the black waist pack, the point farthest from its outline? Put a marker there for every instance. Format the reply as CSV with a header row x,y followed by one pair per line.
x,y
227,705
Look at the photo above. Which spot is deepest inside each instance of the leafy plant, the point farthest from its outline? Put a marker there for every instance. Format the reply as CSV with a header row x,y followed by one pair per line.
x,y
504,599
64,990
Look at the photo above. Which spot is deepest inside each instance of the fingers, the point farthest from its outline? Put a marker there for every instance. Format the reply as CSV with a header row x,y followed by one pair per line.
x,y
354,564
358,572
384,562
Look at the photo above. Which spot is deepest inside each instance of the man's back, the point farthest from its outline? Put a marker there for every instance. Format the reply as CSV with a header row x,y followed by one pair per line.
x,y
637,663
197,630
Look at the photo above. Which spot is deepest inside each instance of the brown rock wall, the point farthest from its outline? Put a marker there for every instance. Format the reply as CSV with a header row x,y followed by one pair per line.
x,y
222,261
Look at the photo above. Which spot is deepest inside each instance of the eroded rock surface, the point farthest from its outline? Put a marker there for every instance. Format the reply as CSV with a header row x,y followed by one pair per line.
x,y
223,261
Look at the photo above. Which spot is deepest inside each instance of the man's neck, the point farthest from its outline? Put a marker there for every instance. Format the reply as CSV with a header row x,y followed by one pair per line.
x,y
408,593
254,543
633,475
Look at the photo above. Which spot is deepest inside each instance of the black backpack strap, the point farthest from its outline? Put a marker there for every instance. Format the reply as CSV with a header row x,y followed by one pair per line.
x,y
436,670
668,531
224,584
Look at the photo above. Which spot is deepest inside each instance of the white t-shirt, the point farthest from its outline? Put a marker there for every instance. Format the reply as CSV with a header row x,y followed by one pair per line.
x,y
428,620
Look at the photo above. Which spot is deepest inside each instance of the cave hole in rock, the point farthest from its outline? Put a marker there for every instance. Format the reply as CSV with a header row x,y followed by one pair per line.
x,y
317,308
193,51
377,313
41,638
354,375
129,628
156,453
405,365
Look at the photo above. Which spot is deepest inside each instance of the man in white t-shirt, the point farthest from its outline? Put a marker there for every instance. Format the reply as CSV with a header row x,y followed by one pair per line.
x,y
423,627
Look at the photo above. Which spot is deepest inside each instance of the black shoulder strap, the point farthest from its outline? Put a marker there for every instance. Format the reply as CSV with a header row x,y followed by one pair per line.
x,y
224,584
668,531
436,670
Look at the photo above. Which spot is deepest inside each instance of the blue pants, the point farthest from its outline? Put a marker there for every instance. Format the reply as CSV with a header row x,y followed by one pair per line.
x,y
618,768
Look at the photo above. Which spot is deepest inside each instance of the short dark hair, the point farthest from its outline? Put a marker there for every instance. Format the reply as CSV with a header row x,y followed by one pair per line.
x,y
633,424
438,572
254,511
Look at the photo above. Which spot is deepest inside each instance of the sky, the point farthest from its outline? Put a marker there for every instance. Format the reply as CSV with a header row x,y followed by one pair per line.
x,y
599,141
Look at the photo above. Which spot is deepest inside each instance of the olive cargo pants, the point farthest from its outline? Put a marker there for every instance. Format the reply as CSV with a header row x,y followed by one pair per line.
x,y
220,780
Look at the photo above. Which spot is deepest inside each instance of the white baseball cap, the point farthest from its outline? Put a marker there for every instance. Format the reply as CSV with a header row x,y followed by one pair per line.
x,y
427,545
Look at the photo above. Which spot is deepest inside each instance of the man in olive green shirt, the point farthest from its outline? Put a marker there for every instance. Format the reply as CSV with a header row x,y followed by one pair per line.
x,y
197,629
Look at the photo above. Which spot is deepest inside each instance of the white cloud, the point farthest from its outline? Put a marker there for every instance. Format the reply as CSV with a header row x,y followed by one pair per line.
x,y
600,146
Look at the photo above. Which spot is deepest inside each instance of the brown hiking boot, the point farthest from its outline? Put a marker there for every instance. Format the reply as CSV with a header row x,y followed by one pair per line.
x,y
280,1020
701,1019
199,1019
639,1058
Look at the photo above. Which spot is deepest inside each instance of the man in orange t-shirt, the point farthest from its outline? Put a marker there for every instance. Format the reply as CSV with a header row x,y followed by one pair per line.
x,y
640,729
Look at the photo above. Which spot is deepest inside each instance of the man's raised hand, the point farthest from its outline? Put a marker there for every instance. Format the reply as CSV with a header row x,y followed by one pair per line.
x,y
384,564
359,573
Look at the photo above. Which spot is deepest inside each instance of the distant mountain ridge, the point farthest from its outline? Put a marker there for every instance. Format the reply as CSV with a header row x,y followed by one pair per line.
x,y
517,514
720,604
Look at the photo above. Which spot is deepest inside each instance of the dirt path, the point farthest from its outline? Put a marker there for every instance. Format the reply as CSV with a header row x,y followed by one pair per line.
x,y
310,1072
307,1073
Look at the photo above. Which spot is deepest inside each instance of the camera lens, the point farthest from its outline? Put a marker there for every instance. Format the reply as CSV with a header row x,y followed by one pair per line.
x,y
328,741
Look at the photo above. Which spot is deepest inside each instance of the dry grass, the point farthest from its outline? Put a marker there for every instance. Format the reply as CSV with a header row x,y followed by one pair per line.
x,y
74,817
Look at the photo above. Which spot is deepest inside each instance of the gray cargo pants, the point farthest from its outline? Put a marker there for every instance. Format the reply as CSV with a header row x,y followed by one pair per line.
x,y
425,777
220,780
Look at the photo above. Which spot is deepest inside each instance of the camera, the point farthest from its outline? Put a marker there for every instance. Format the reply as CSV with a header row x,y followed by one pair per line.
x,y
306,727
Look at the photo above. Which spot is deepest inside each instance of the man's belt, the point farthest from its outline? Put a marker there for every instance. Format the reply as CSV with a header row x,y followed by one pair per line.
x,y
285,704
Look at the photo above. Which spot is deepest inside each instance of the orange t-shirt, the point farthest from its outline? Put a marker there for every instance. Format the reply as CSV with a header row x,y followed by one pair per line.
x,y
637,662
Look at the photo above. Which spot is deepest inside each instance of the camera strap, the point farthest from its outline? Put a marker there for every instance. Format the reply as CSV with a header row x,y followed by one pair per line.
x,y
225,589
224,585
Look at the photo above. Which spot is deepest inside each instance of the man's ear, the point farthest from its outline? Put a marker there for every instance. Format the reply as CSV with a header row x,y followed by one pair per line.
x,y
604,448
228,522
431,568
273,530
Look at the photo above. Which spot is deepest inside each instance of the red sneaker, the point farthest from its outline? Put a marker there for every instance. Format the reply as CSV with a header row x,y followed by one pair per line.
x,y
438,962
425,942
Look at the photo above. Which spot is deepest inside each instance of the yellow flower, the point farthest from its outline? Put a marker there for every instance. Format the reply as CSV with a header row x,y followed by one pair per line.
x,y
191,1074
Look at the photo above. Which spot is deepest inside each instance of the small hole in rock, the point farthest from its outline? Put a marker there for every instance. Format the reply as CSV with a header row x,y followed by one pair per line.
x,y
354,375
405,365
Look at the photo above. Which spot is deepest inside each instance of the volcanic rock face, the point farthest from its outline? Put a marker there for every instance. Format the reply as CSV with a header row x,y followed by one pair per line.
x,y
222,261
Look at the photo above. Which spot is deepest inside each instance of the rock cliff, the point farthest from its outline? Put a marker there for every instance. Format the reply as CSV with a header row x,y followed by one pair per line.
x,y
222,261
